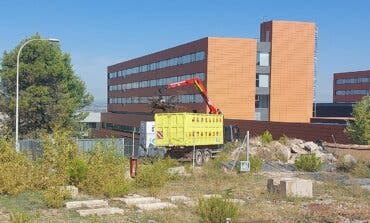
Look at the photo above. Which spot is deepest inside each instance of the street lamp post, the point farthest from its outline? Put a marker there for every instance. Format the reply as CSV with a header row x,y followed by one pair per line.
x,y
17,91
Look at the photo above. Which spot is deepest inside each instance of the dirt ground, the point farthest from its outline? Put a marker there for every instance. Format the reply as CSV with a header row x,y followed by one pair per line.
x,y
333,201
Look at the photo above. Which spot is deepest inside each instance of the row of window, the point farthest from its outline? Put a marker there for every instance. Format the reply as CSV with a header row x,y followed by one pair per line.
x,y
353,92
155,82
121,128
189,58
357,80
186,98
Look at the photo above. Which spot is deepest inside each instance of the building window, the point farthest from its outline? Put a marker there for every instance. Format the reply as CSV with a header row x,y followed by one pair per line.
x,y
262,80
262,101
263,59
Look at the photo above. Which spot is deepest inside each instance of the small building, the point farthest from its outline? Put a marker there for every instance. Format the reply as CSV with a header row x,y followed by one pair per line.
x,y
351,87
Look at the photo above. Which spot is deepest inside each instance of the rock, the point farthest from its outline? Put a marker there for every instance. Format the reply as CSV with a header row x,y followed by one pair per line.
x,y
180,198
292,142
298,150
155,206
180,170
100,211
87,203
349,160
293,158
207,196
137,200
325,157
290,187
283,153
311,146
237,201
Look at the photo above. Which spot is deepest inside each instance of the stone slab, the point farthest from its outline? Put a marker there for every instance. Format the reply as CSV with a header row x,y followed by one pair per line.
x,y
87,204
155,206
212,195
72,190
138,200
179,198
100,211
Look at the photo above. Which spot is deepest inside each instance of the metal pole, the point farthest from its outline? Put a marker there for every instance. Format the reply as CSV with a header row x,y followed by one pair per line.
x,y
193,157
133,143
17,91
248,146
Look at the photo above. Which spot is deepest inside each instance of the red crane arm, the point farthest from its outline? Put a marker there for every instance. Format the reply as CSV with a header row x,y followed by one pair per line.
x,y
202,90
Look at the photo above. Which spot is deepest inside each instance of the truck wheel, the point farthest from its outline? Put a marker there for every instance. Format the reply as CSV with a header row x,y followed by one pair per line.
x,y
206,155
198,157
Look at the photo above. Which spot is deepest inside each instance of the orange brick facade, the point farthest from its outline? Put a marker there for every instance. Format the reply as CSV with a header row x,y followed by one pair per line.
x,y
231,76
292,70
229,70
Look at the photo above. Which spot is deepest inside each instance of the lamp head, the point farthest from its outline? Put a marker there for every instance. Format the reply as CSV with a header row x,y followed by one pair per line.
x,y
54,40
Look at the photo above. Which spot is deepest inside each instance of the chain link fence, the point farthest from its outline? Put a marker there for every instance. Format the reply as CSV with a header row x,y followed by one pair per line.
x,y
33,147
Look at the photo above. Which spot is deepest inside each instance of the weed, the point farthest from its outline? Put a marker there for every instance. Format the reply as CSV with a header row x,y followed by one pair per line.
x,y
360,170
216,209
284,139
308,162
54,197
20,217
266,137
77,170
154,174
256,163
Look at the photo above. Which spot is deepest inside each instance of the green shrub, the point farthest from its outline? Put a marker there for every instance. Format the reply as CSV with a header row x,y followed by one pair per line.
x,y
359,129
154,174
216,210
16,171
55,197
266,137
283,139
77,170
308,162
255,163
105,174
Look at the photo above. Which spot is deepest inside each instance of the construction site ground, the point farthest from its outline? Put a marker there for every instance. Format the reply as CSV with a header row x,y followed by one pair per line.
x,y
333,200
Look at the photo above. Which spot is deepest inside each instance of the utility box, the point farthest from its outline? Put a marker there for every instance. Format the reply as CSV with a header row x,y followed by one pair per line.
x,y
147,134
188,129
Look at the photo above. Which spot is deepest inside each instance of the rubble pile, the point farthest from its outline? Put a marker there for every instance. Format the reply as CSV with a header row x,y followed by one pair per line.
x,y
289,151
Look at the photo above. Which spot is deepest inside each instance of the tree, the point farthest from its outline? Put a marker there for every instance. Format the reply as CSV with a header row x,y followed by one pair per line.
x,y
359,129
50,93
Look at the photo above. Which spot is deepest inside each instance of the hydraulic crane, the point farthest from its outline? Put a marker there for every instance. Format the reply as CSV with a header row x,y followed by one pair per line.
x,y
200,87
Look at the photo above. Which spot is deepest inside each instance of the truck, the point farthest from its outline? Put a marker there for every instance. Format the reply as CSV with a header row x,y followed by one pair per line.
x,y
187,135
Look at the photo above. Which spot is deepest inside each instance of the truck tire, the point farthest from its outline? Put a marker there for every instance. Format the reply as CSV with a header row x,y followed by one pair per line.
x,y
207,155
198,157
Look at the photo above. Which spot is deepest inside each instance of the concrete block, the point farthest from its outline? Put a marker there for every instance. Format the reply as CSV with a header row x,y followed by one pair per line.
x,y
138,200
87,204
72,190
155,206
100,211
290,187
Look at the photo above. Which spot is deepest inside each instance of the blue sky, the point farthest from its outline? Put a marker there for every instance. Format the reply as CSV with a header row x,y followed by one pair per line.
x,y
101,33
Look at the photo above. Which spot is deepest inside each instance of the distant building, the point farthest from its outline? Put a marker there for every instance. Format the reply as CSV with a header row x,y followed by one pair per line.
x,y
270,80
350,87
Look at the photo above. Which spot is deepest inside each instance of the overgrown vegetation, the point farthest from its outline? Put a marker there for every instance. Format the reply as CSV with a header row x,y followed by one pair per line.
x,y
216,209
284,139
55,197
308,162
359,129
355,168
153,174
266,137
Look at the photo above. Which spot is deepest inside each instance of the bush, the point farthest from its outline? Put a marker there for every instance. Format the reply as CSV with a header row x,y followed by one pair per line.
x,y
154,174
20,217
266,137
216,210
77,170
359,129
256,163
16,171
105,173
283,139
55,197
308,162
